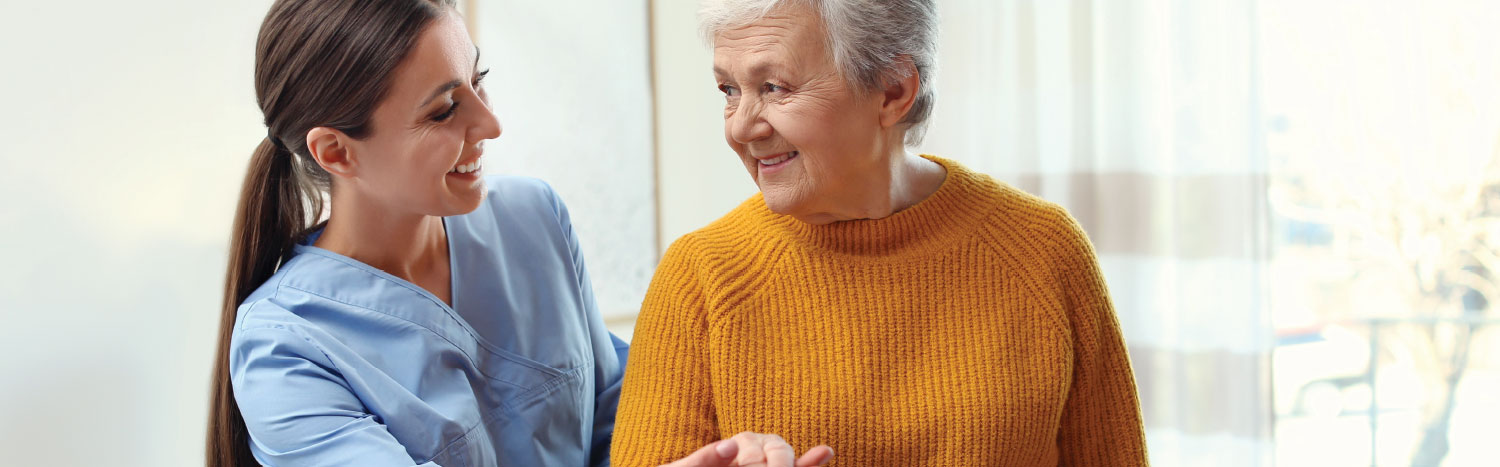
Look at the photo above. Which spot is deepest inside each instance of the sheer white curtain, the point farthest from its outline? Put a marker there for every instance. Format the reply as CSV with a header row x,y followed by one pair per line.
x,y
1140,117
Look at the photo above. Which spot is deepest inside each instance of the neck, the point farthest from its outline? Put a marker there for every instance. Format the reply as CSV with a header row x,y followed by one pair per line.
x,y
413,246
903,181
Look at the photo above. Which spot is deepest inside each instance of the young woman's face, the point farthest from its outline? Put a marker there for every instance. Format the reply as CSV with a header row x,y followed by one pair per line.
x,y
424,150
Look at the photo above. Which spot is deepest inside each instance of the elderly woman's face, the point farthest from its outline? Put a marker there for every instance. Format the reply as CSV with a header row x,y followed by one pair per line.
x,y
806,137
427,135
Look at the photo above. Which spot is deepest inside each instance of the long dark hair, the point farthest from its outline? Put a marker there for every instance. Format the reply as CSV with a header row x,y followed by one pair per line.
x,y
318,63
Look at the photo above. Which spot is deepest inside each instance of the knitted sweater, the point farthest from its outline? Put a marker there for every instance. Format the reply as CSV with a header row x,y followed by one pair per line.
x,y
973,328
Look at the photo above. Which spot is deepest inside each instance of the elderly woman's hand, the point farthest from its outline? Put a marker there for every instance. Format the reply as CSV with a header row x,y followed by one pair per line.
x,y
754,450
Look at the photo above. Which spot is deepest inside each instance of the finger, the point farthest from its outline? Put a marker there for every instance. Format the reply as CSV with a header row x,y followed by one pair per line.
x,y
816,457
715,454
778,453
752,449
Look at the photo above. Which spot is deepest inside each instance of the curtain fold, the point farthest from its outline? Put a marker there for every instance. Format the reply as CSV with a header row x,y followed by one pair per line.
x,y
1140,117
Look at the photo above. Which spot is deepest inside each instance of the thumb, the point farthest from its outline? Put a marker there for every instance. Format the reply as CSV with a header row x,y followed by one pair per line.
x,y
716,454
816,457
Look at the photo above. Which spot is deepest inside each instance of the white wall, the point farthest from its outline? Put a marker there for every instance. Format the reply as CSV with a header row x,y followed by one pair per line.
x,y
571,86
125,130
700,178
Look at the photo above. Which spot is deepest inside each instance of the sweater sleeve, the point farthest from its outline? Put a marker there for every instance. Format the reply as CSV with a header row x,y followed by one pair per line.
x,y
666,407
1101,420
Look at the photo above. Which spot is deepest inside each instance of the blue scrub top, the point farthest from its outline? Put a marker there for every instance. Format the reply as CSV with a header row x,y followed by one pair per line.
x,y
335,362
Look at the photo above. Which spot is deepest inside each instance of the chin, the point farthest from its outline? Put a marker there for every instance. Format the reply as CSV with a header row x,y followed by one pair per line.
x,y
781,202
466,201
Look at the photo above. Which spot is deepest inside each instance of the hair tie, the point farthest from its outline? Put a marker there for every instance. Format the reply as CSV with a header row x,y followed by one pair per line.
x,y
276,142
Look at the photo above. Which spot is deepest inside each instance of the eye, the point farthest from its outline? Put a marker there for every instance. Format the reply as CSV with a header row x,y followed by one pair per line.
x,y
729,91
447,114
479,77
770,88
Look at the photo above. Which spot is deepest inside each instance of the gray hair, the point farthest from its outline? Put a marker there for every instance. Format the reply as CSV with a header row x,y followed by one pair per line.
x,y
870,40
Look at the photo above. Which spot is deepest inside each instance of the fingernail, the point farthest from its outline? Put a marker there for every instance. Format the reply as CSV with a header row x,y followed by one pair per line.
x,y
726,448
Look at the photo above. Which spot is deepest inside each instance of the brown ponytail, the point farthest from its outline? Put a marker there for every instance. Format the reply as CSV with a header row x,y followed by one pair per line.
x,y
269,218
283,189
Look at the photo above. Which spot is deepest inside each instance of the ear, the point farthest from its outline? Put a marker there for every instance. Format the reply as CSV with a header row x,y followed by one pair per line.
x,y
899,95
331,148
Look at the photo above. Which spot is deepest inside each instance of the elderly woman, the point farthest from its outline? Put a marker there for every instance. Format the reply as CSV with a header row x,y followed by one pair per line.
x,y
901,309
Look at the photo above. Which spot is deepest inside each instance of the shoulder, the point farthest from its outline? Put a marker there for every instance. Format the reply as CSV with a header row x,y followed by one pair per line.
x,y
525,211
741,238
721,255
1030,216
268,331
268,306
293,305
742,227
517,195
1025,224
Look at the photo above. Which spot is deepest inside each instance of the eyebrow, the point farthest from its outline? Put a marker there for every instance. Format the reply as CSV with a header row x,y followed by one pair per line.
x,y
760,68
451,85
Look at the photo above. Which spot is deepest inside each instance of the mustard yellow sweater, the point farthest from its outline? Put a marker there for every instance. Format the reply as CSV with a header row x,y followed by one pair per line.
x,y
971,329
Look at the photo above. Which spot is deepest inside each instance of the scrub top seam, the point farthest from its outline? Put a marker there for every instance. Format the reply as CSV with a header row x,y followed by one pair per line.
x,y
362,267
334,364
447,310
471,360
452,314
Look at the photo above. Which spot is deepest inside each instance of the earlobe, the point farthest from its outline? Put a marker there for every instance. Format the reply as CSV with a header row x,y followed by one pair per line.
x,y
331,149
900,95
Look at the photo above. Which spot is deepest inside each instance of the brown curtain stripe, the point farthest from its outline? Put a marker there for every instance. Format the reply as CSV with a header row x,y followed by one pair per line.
x,y
1180,216
1177,386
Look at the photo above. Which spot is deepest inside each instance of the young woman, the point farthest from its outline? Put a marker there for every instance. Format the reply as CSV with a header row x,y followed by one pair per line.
x,y
438,317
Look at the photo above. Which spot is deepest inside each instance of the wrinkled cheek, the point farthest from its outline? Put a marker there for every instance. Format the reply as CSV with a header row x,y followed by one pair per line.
x,y
751,165
445,157
806,184
795,183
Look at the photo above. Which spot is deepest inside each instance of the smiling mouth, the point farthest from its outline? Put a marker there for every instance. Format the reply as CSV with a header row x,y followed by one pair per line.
x,y
471,167
786,156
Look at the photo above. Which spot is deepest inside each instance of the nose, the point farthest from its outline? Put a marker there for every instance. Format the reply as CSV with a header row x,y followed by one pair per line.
x,y
488,125
747,124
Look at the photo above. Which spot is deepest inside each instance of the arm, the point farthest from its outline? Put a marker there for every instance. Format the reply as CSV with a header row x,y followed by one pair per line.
x,y
299,410
607,400
666,408
609,351
609,369
1101,420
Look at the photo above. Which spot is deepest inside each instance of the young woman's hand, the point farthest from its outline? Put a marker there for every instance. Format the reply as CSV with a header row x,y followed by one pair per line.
x,y
754,450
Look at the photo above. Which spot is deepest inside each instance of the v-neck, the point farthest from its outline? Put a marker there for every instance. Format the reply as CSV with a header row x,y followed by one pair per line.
x,y
455,321
452,268
451,309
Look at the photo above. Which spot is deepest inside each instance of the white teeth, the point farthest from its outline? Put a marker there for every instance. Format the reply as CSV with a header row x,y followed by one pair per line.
x,y
469,167
778,160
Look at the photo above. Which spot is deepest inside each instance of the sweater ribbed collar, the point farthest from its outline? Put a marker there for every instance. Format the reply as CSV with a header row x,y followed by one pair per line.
x,y
944,217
